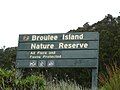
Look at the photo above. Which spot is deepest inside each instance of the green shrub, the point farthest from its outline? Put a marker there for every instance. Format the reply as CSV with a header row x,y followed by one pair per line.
x,y
8,81
32,82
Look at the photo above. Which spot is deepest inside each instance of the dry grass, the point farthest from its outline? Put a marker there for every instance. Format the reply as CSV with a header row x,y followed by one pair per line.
x,y
110,80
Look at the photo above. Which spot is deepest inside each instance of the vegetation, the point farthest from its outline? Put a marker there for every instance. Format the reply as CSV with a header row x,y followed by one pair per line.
x,y
109,29
64,85
111,79
8,81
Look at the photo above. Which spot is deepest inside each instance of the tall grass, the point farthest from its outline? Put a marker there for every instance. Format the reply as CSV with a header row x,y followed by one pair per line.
x,y
111,79
64,85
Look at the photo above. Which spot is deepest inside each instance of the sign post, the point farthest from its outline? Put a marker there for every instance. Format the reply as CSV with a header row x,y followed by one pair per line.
x,y
59,50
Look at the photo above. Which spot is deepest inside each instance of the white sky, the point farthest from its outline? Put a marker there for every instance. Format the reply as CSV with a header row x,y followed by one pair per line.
x,y
49,16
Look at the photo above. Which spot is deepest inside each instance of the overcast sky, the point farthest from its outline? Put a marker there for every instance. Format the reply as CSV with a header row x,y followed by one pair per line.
x,y
49,16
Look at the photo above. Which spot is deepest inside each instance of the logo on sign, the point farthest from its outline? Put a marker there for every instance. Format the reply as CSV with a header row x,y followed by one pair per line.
x,y
50,63
41,63
33,63
25,38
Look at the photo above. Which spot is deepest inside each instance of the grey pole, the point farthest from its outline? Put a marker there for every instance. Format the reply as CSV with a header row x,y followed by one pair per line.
x,y
94,79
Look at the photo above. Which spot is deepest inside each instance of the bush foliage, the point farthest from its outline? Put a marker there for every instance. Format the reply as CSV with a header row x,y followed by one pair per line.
x,y
9,81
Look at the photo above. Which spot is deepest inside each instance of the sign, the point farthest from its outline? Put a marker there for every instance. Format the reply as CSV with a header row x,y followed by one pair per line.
x,y
58,50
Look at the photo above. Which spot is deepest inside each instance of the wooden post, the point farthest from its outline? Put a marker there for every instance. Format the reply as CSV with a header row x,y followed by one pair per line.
x,y
94,79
